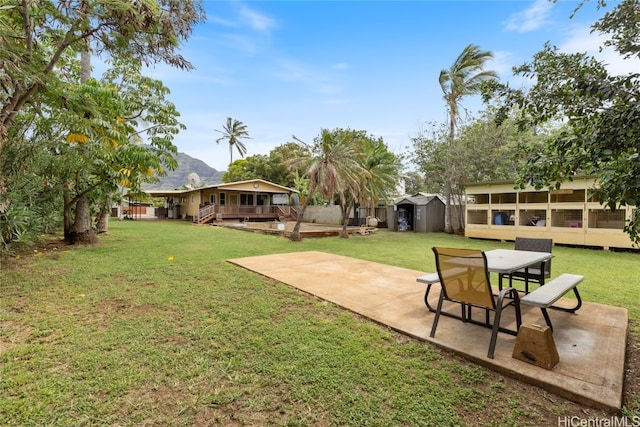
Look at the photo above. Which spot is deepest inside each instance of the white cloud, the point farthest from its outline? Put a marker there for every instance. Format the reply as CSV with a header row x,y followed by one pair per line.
x,y
337,101
531,19
501,63
242,42
256,20
220,21
314,79
580,39
289,70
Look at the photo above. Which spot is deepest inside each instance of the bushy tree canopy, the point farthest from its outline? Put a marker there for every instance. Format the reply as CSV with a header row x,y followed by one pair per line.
x,y
601,112
350,166
275,167
79,137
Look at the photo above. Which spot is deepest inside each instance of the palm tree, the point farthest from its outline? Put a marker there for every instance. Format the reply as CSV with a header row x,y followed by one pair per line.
x,y
464,78
233,131
384,171
333,169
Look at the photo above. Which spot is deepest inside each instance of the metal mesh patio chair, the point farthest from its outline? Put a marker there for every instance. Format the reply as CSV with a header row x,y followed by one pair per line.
x,y
536,273
464,279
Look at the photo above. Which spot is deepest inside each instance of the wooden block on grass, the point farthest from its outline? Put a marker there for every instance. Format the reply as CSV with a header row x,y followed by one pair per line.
x,y
535,345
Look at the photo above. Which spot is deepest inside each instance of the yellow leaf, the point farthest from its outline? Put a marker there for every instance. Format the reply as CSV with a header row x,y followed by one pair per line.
x,y
170,258
77,137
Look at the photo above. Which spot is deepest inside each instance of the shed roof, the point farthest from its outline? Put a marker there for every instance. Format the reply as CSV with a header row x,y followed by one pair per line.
x,y
418,199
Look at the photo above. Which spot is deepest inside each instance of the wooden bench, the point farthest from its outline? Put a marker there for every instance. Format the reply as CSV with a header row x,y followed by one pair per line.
x,y
545,296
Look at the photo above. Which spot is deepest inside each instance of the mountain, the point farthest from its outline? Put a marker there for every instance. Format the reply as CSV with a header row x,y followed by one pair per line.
x,y
179,177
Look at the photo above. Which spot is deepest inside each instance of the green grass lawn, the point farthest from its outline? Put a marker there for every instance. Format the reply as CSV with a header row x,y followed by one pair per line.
x,y
153,327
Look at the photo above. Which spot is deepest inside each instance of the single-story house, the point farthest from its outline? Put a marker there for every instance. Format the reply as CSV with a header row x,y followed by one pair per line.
x,y
420,212
254,199
569,215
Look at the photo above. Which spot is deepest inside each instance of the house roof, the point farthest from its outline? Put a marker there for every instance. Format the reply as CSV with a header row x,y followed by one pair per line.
x,y
418,199
258,185
262,186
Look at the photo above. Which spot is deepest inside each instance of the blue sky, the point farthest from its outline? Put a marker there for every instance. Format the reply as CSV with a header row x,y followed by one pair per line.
x,y
295,67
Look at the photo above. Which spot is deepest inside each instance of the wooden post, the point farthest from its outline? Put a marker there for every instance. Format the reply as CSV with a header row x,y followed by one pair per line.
x,y
535,345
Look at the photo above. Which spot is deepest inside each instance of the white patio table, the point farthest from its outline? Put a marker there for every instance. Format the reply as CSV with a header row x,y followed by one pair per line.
x,y
506,261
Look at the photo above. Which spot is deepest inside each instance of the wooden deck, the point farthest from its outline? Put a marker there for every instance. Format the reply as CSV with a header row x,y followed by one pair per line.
x,y
286,228
218,213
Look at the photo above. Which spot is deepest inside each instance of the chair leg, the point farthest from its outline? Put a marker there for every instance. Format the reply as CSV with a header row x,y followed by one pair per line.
x,y
466,312
496,320
516,300
437,316
494,333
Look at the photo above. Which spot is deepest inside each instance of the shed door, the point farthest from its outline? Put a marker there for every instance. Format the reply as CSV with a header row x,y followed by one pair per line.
x,y
405,217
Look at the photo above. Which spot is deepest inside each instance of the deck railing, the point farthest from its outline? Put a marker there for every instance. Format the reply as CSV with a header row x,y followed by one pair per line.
x,y
208,212
205,212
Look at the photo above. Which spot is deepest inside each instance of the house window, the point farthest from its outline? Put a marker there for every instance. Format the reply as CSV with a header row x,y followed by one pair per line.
x,y
192,198
246,199
223,198
212,199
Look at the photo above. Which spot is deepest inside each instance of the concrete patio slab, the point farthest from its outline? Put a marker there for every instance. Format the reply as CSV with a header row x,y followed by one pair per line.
x,y
591,343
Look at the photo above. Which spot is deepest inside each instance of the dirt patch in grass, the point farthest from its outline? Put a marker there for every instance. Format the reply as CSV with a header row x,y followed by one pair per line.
x,y
631,390
50,246
13,333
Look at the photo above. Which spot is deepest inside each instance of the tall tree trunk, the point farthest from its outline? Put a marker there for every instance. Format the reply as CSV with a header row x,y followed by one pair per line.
x,y
459,211
102,220
85,65
447,207
345,208
82,231
295,234
68,217
447,185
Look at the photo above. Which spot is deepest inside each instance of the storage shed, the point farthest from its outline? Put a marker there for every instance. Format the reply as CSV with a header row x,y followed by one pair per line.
x,y
420,212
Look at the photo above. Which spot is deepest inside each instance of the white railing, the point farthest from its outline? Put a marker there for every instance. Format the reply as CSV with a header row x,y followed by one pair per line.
x,y
206,211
